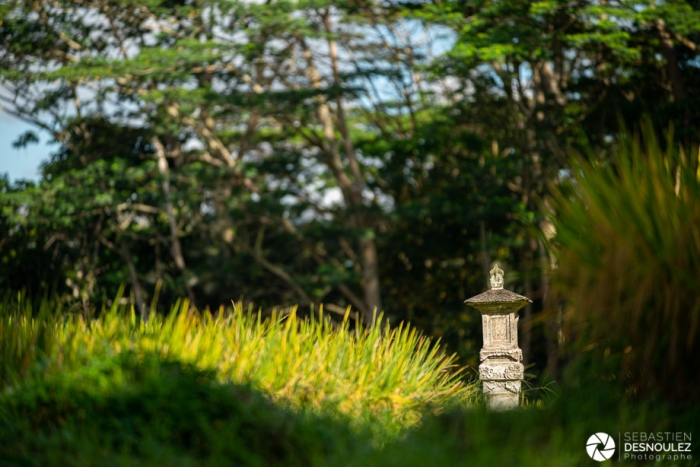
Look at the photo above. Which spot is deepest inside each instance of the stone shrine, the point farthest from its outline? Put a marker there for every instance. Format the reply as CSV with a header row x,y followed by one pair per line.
x,y
501,369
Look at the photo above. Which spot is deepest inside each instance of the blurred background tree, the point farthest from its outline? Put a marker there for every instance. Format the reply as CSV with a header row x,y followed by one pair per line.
x,y
372,155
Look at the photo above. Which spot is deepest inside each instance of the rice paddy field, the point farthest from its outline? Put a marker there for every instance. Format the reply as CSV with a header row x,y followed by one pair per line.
x,y
234,388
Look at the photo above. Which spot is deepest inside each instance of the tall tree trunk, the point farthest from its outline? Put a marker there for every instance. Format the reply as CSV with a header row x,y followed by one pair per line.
x,y
549,306
370,275
342,121
485,257
527,313
669,53
368,247
553,321
527,174
175,246
139,297
351,189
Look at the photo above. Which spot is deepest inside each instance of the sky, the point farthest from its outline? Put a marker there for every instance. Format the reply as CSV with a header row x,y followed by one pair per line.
x,y
20,163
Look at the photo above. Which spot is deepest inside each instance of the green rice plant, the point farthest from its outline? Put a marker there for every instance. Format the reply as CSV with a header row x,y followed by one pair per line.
x,y
24,342
310,364
628,253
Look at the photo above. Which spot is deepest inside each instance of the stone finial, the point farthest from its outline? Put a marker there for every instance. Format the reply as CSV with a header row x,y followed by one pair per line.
x,y
496,278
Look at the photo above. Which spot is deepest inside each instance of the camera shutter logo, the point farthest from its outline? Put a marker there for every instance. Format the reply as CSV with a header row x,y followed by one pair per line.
x,y
600,447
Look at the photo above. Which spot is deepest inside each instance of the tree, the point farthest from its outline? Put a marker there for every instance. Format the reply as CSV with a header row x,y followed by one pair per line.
x,y
257,94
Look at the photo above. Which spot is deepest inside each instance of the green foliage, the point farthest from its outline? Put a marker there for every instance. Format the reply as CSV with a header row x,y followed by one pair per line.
x,y
25,264
628,249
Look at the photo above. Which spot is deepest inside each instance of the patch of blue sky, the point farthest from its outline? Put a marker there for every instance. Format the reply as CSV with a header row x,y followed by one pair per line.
x,y
21,163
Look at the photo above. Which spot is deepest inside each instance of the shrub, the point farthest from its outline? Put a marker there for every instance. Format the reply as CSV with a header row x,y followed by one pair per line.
x,y
628,247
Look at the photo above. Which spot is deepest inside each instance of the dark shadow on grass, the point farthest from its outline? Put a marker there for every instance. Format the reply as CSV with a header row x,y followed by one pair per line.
x,y
129,410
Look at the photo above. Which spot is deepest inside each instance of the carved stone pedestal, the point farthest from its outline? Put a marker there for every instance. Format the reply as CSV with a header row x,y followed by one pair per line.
x,y
501,370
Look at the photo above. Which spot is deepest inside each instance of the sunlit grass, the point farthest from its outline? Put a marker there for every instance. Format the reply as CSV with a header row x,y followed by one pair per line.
x,y
311,363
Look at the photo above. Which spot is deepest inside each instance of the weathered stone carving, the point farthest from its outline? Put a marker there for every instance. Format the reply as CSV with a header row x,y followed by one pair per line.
x,y
504,388
500,371
515,355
